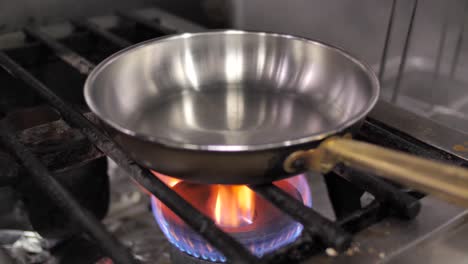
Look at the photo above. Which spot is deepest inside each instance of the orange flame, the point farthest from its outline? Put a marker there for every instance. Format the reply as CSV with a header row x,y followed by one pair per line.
x,y
234,205
230,206
169,181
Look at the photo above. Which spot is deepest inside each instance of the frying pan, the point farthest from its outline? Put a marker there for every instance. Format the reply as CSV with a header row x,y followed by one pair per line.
x,y
237,107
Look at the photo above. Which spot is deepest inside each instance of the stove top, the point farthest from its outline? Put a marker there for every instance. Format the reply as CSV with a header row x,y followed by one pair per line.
x,y
62,191
439,231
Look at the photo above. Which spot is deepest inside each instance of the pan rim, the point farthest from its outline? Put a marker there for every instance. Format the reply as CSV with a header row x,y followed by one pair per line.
x,y
88,86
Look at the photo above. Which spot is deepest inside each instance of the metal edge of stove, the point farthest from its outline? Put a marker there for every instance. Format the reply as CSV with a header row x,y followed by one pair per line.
x,y
391,240
430,132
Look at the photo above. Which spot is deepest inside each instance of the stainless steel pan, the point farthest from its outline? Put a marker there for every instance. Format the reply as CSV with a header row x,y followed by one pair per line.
x,y
236,107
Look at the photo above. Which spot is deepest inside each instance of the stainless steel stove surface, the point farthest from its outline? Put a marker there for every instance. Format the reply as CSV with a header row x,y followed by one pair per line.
x,y
50,152
131,220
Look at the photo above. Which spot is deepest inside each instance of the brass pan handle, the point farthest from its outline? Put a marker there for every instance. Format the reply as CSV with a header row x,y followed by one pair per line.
x,y
445,181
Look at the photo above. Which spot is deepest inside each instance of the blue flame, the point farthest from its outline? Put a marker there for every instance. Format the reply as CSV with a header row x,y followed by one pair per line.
x,y
259,242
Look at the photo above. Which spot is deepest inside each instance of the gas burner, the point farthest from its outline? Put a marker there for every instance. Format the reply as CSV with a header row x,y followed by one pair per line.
x,y
179,257
237,210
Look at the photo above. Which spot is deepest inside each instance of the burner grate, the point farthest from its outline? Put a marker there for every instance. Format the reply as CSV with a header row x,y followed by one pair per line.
x,y
155,26
320,233
207,229
99,32
67,55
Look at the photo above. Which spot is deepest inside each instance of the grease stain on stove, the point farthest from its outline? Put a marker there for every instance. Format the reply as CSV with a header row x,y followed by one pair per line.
x,y
353,250
461,147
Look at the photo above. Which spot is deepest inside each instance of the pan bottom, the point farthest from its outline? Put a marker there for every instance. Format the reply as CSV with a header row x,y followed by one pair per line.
x,y
235,116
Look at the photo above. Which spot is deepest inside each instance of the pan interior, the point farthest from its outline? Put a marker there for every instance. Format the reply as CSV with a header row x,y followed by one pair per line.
x,y
231,89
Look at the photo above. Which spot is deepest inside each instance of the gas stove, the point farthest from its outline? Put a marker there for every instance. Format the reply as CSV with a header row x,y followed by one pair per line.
x,y
74,197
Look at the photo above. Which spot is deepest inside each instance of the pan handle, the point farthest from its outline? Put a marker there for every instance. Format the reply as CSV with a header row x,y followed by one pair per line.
x,y
445,181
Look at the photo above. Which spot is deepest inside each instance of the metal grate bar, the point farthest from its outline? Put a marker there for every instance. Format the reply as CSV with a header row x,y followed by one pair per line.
x,y
363,218
100,32
328,233
62,198
383,60
158,27
443,37
233,250
401,68
304,247
459,43
405,205
10,170
67,55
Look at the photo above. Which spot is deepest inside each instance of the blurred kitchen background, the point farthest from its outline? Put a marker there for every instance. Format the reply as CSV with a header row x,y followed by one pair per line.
x,y
433,80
